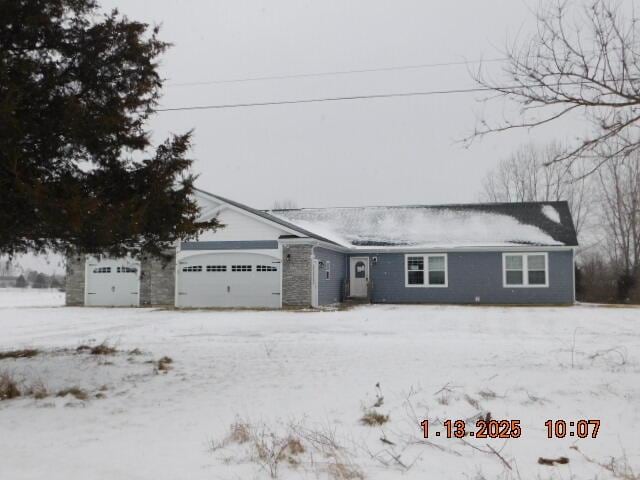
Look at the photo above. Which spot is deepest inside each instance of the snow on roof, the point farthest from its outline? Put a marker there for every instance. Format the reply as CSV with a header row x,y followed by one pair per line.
x,y
427,227
551,213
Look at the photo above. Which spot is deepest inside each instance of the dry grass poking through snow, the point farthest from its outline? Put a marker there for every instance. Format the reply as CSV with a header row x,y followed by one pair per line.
x,y
76,392
164,364
296,448
101,349
8,387
72,372
373,418
25,353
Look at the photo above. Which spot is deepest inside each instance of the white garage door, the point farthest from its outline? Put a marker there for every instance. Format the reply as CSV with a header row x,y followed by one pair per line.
x,y
229,280
112,283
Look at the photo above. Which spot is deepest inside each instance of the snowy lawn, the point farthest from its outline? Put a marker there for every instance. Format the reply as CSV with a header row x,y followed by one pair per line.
x,y
296,385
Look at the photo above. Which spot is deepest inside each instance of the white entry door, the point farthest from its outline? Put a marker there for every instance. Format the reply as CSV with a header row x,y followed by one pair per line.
x,y
359,276
112,283
232,279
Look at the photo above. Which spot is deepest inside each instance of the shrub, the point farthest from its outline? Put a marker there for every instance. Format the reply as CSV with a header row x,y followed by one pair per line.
x,y
164,364
239,433
371,418
25,353
103,349
8,387
38,390
77,392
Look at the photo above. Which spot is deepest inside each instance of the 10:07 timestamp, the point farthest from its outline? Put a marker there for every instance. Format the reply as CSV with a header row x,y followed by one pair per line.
x,y
512,429
579,428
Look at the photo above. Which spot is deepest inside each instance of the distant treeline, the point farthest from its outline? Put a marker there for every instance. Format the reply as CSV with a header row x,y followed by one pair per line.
x,y
32,279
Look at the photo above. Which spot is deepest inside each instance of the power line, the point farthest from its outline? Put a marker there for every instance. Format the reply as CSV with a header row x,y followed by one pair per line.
x,y
318,100
340,99
365,97
336,72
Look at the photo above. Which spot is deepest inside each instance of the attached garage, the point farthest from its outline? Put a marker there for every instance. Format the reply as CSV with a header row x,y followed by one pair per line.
x,y
112,283
229,279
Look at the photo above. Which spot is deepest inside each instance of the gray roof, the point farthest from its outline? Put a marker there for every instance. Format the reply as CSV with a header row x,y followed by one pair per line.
x,y
455,225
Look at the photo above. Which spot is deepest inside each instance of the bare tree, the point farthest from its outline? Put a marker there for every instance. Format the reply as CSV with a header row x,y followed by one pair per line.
x,y
286,204
581,59
529,175
620,203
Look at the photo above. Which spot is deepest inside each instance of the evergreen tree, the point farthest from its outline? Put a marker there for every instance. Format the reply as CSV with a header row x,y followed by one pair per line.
x,y
76,170
21,282
40,281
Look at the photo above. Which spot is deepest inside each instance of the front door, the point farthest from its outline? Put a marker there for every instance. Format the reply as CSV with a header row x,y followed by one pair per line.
x,y
359,276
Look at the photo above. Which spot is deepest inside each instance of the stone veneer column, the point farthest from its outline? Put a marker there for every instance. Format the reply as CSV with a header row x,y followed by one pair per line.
x,y
74,281
158,281
296,275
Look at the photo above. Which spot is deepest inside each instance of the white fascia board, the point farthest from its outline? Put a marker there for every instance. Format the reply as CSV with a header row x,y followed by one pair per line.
x,y
315,243
444,249
208,214
438,249
255,217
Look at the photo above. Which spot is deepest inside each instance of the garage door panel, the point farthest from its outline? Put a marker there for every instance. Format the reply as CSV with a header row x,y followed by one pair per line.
x,y
112,283
229,280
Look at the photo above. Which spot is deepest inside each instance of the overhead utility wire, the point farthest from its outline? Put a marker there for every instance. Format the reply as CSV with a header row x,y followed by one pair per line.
x,y
346,98
337,72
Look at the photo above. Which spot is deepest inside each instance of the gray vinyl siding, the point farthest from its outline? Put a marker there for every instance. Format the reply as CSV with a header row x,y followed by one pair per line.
x,y
471,275
332,290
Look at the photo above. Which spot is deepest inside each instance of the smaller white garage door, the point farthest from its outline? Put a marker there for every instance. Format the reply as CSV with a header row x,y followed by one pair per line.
x,y
112,283
226,280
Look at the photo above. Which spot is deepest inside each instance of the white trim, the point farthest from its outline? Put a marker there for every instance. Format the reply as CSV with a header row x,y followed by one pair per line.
x,y
573,266
352,262
281,273
425,259
315,280
316,243
252,215
208,214
525,270
86,279
439,249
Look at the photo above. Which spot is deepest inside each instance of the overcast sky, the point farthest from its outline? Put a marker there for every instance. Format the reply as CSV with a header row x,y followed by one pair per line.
x,y
366,152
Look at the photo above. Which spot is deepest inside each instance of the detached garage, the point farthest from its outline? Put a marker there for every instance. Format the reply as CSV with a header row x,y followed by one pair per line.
x,y
112,282
229,279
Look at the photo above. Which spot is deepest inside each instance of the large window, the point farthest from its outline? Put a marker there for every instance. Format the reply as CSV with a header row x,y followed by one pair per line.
x,y
426,270
525,270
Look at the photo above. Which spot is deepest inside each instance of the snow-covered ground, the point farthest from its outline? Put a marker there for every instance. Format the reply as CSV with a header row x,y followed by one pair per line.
x,y
310,375
26,297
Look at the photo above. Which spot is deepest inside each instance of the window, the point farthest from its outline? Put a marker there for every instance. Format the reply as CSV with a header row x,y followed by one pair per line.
x,y
415,270
216,268
525,270
361,269
437,270
240,268
192,268
265,268
426,271
327,270
127,270
102,270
